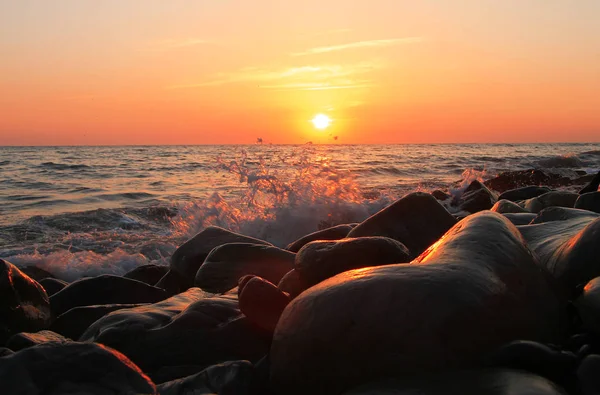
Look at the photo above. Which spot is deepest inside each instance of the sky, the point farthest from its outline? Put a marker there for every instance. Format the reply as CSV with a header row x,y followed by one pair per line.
x,y
115,72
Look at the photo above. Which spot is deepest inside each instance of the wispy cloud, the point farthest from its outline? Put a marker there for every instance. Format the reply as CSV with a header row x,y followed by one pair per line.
x,y
301,78
168,44
360,44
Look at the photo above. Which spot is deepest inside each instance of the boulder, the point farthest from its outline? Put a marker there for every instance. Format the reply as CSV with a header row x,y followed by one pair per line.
x,y
549,199
589,201
417,221
474,290
149,274
568,248
105,289
173,283
561,214
262,302
226,264
24,305
194,328
587,375
520,218
188,258
334,233
233,377
474,382
5,351
523,193
72,368
292,284
36,273
476,200
592,186
75,321
440,195
24,340
506,206
319,260
522,178
588,306
52,285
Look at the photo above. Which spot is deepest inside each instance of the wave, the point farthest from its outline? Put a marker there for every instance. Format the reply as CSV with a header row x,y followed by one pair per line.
x,y
560,161
4,162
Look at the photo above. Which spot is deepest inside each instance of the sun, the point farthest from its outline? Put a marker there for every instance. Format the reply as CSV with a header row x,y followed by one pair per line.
x,y
321,121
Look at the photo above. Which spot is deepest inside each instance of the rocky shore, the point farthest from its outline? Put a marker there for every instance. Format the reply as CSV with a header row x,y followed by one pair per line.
x,y
502,298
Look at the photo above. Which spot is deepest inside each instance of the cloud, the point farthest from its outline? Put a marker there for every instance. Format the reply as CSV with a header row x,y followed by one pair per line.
x,y
313,77
360,44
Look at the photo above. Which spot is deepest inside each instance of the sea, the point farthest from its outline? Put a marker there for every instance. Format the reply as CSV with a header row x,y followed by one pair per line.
x,y
84,211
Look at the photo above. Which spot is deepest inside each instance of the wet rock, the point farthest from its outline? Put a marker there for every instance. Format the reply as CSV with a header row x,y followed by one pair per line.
x,y
521,178
226,264
105,289
72,368
520,218
474,382
592,186
36,273
234,377
319,260
53,285
506,206
477,288
24,305
417,221
173,283
568,248
589,201
561,214
262,302
149,274
587,375
188,258
334,233
542,360
24,340
75,321
477,199
292,284
440,195
523,193
549,199
192,328
5,351
588,306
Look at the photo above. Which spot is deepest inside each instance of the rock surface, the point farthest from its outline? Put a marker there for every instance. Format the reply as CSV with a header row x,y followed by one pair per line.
x,y
477,288
262,302
319,260
226,264
23,340
589,201
333,233
53,285
72,368
188,258
550,199
417,221
105,289
24,304
506,206
149,274
523,193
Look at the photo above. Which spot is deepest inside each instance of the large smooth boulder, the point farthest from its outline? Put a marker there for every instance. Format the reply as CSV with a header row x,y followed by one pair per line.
x,y
417,221
104,289
292,284
319,260
520,218
226,264
475,289
568,248
506,206
262,302
233,377
588,306
592,186
193,328
23,340
71,368
53,285
334,233
188,258
75,321
523,193
561,214
149,274
589,201
549,199
474,382
24,304
587,375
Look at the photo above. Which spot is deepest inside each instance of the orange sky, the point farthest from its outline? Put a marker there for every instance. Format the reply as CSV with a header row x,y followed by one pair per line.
x,y
226,71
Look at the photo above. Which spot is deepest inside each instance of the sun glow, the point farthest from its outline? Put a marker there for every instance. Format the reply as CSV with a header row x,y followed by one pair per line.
x,y
321,121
